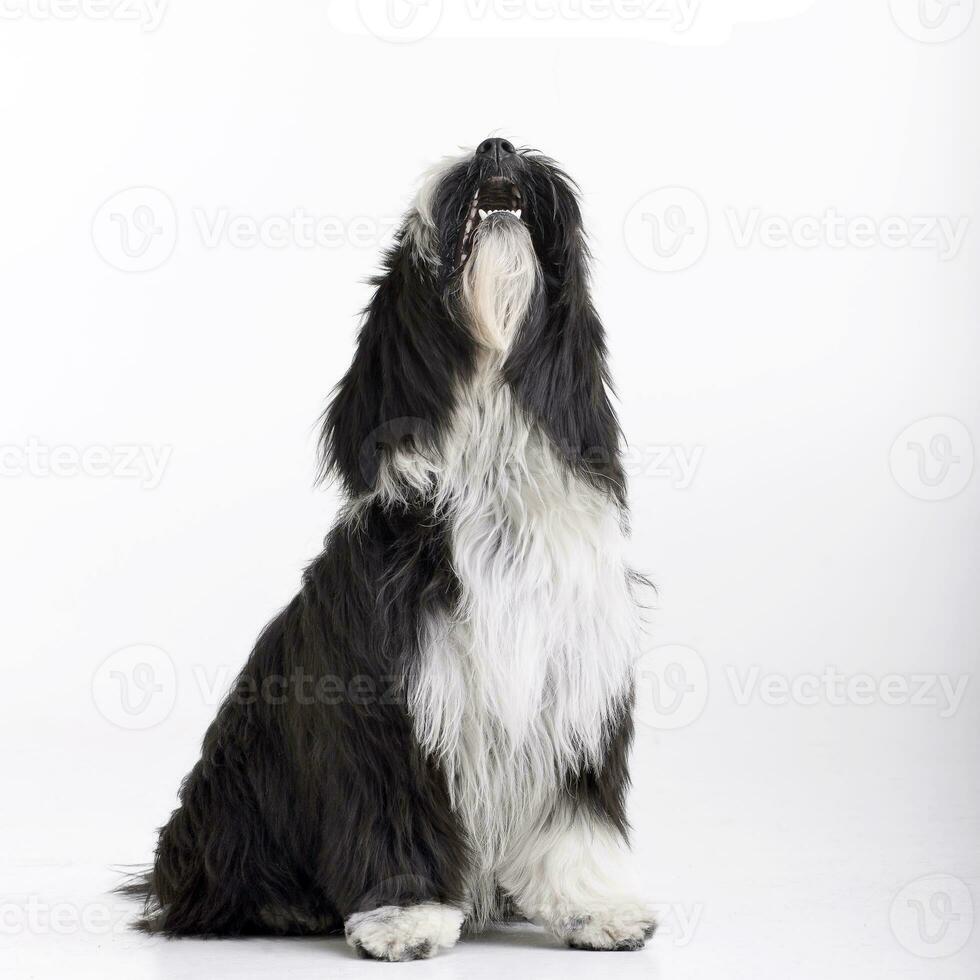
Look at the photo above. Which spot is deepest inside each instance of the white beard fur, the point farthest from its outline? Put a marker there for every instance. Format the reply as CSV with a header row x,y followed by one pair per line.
x,y
522,683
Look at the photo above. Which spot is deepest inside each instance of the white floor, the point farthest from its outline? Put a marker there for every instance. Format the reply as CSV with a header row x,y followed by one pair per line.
x,y
807,854
751,928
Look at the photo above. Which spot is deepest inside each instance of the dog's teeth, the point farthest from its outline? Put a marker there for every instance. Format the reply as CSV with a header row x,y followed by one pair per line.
x,y
486,213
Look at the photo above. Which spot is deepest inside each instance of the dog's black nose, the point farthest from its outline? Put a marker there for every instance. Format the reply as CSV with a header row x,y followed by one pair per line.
x,y
495,149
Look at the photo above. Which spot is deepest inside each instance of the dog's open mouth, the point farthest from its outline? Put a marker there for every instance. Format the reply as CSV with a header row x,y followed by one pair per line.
x,y
498,195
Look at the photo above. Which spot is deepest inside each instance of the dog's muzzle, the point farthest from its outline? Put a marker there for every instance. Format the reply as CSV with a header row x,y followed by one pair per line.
x,y
498,198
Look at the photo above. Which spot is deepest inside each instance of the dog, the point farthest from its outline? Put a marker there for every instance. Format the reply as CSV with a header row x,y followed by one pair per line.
x,y
434,733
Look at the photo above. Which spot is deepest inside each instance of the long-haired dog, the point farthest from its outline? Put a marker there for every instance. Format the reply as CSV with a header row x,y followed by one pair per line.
x,y
435,730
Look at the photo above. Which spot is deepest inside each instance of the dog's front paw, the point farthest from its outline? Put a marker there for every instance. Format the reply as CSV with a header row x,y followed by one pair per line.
x,y
399,933
613,927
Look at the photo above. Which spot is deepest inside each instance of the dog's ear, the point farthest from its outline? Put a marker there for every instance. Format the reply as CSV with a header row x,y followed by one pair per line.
x,y
559,374
400,386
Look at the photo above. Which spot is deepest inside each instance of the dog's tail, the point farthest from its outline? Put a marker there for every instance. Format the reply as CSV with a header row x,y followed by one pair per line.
x,y
137,884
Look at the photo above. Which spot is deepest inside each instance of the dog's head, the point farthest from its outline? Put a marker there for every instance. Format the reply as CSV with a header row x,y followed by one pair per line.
x,y
490,261
497,227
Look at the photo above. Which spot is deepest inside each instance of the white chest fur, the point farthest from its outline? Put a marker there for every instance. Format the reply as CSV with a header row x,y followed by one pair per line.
x,y
520,684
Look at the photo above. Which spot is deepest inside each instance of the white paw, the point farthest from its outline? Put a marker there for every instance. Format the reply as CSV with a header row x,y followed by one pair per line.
x,y
398,933
612,927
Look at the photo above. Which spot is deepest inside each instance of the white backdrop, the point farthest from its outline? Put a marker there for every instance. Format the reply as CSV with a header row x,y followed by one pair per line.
x,y
782,200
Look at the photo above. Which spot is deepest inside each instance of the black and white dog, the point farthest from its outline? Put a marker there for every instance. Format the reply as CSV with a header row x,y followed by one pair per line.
x,y
435,730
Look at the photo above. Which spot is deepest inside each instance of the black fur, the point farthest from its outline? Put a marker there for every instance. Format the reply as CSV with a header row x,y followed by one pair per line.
x,y
313,796
312,799
413,348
